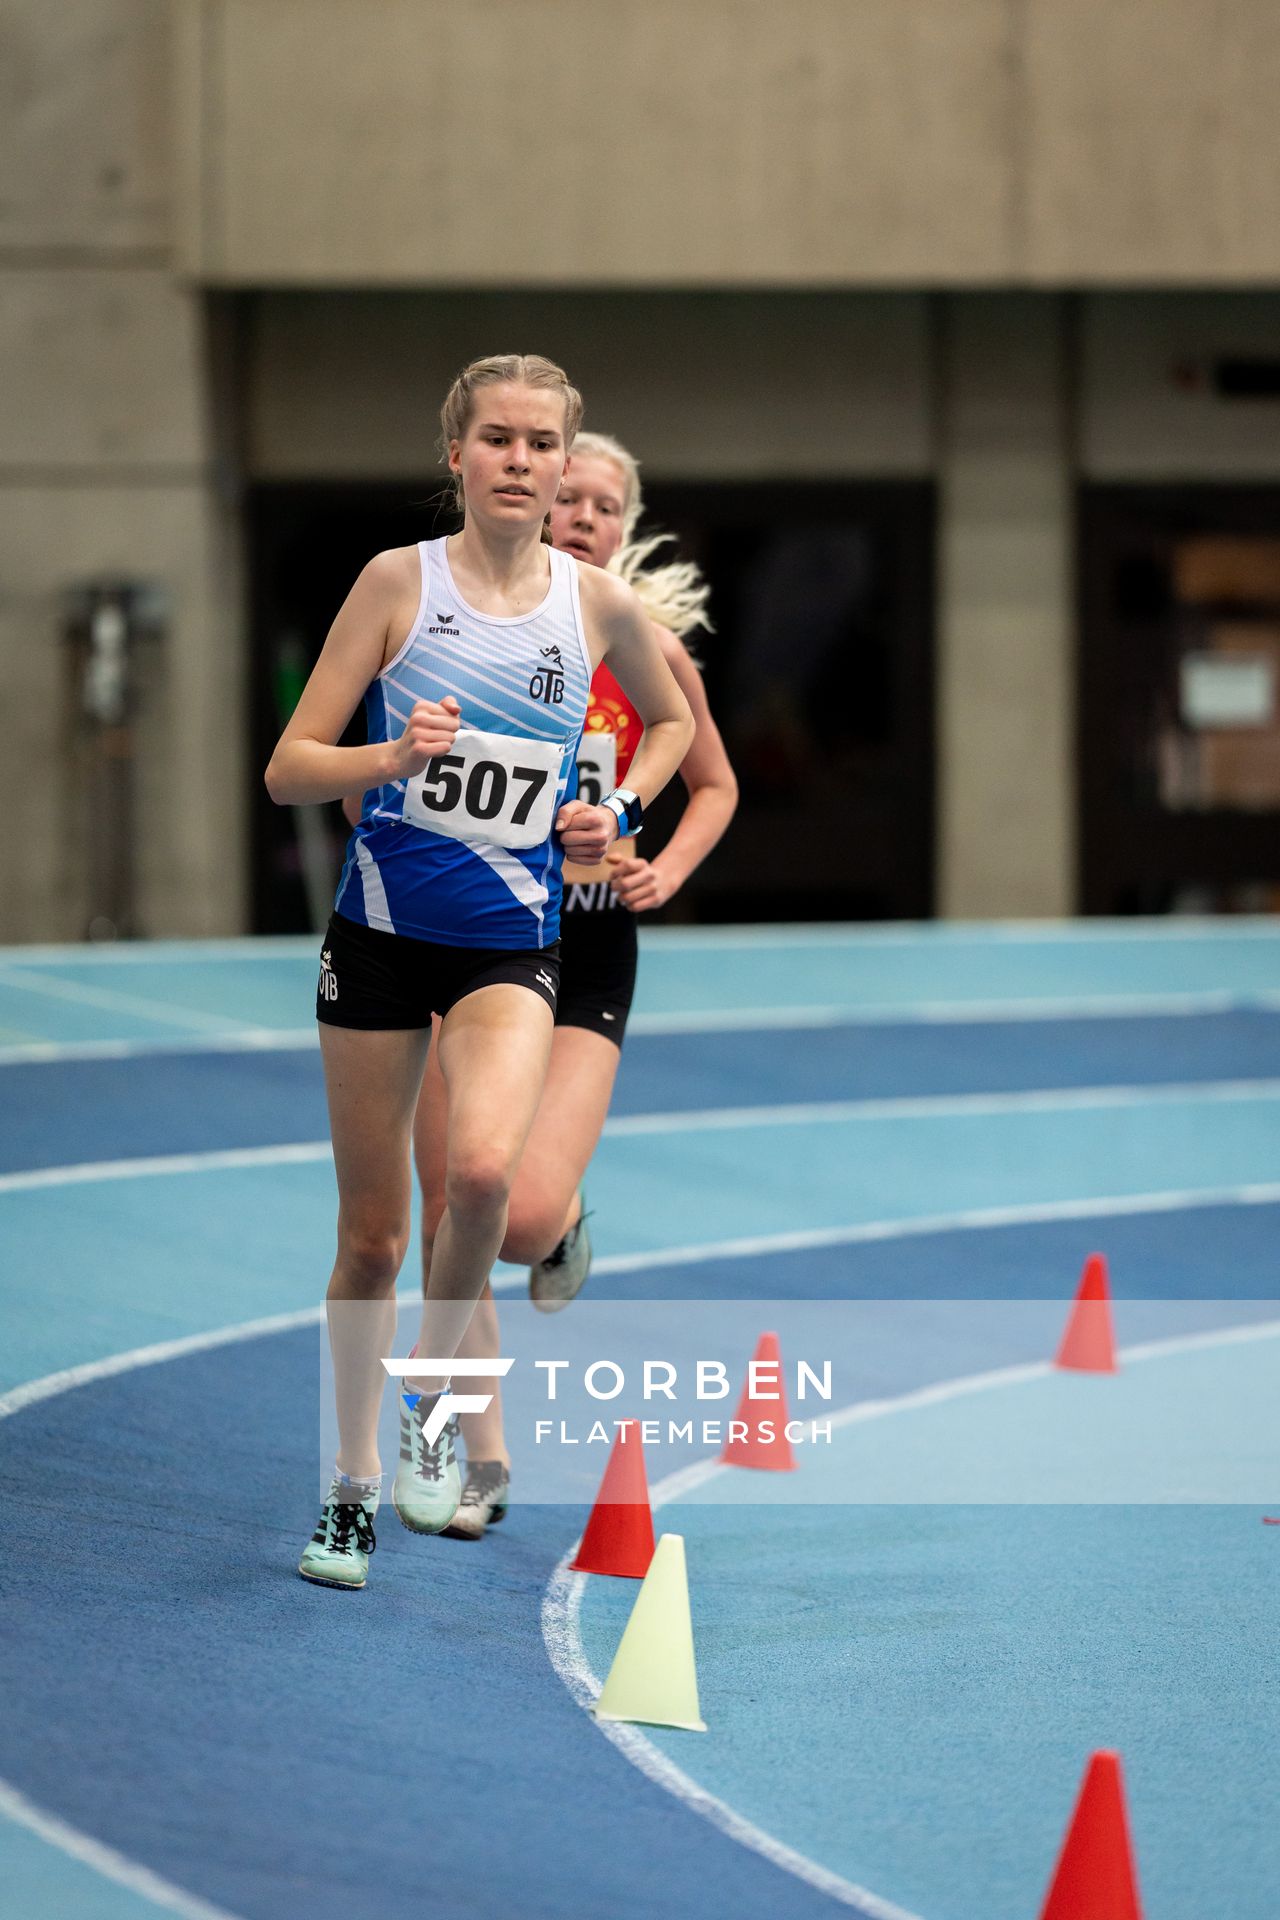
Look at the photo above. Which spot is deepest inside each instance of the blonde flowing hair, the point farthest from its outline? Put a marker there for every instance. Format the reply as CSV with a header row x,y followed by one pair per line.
x,y
674,594
516,369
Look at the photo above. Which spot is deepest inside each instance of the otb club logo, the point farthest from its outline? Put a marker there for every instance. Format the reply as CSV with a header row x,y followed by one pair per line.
x,y
547,683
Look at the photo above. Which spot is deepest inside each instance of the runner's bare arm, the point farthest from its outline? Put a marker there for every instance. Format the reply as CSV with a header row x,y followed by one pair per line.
x,y
641,884
307,765
622,631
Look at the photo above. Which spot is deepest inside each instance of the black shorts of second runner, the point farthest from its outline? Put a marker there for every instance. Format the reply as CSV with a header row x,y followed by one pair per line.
x,y
385,981
598,950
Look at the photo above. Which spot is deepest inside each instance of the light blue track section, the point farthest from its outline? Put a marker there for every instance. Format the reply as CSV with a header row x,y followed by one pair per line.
x,y
143,993
943,1669
116,1264
124,1262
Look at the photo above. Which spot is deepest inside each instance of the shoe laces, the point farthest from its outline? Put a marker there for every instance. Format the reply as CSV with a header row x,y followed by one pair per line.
x,y
430,1461
341,1519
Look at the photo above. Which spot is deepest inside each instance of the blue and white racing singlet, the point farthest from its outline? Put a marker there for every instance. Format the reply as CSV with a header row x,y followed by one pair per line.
x,y
464,853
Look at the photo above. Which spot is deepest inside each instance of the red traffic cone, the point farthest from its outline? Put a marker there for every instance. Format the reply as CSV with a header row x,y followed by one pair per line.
x,y
1089,1341
772,1450
619,1534
1095,1877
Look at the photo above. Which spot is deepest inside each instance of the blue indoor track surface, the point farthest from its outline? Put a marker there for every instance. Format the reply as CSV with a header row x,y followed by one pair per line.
x,y
901,1691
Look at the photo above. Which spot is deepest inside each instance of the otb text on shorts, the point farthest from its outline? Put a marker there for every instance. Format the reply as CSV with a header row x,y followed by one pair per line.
x,y
389,981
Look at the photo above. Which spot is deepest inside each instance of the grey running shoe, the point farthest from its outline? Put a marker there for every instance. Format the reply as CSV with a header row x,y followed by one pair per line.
x,y
427,1485
558,1279
486,1494
337,1554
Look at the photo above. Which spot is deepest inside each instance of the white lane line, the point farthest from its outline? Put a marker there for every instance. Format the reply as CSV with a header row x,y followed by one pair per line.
x,y
562,1610
108,999
560,1633
924,935
115,1866
976,1220
942,1106
709,1120
85,1172
788,1019
50,1385
706,1020
941,936
133,953
909,1013
105,1860
16,1806
243,1040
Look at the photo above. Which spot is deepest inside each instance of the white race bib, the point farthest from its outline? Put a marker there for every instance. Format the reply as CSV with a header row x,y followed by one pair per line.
x,y
597,766
493,787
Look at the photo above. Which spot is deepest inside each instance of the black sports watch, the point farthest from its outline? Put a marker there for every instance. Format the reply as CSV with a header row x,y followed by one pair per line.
x,y
628,809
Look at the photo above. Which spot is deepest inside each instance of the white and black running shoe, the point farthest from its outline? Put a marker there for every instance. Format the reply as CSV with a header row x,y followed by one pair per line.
x,y
486,1495
558,1279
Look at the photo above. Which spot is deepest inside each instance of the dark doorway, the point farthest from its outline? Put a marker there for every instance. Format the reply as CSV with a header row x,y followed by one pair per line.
x,y
820,671
1179,699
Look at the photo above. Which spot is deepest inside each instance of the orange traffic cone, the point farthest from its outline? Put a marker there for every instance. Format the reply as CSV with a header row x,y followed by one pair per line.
x,y
1089,1342
619,1534
1095,1877
758,1449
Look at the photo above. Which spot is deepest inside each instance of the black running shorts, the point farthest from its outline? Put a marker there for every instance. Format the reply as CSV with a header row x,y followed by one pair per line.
x,y
380,981
598,966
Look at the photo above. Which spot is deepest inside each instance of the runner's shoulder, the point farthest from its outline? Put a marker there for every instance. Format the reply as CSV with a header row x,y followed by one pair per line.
x,y
604,594
394,571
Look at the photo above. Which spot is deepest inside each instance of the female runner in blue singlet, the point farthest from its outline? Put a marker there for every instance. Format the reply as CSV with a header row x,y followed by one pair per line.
x,y
594,519
474,656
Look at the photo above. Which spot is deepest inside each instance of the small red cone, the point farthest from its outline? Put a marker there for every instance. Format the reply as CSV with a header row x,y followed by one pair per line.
x,y
1089,1342
757,1449
619,1534
1095,1877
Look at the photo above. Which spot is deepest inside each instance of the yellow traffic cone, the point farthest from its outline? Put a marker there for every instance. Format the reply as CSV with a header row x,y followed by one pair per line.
x,y
653,1676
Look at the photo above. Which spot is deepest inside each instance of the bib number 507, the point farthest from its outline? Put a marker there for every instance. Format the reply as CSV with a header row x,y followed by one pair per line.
x,y
484,794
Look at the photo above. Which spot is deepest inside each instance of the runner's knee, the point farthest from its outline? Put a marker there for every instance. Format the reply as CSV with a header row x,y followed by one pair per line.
x,y
477,1184
371,1255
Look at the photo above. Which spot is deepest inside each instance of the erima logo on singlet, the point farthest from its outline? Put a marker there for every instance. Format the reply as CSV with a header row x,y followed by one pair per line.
x,y
448,624
547,683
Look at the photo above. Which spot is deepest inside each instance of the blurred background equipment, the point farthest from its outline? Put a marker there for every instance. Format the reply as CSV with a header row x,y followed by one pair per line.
x,y
105,622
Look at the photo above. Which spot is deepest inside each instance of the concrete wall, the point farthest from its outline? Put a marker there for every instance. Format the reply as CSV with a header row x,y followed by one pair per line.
x,y
731,142
703,385
1006,776
107,467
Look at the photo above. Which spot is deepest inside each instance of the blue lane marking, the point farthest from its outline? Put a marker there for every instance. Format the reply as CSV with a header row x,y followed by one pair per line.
x,y
122,1265
59,1113
1202,1253
161,1552
99,1271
